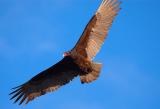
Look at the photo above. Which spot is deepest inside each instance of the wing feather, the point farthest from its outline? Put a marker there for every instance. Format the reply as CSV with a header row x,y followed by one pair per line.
x,y
47,81
97,29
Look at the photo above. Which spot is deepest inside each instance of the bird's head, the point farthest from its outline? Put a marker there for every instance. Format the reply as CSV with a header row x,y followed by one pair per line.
x,y
68,53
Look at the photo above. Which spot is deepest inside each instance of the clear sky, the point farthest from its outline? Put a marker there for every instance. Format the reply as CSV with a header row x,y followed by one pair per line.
x,y
35,33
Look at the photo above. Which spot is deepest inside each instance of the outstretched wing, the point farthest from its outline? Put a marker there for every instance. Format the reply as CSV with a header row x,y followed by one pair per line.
x,y
47,81
95,32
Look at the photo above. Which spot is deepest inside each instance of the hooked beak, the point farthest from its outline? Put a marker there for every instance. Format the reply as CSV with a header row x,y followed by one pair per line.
x,y
65,54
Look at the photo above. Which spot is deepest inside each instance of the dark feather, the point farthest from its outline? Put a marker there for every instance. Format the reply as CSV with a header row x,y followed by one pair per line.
x,y
14,91
49,80
19,92
19,97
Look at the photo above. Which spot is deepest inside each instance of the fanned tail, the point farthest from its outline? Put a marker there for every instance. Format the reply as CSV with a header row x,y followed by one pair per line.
x,y
92,76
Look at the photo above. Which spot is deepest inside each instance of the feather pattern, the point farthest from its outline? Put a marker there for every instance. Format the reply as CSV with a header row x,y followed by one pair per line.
x,y
47,81
97,29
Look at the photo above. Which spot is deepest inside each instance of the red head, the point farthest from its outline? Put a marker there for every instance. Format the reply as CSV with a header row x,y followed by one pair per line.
x,y
66,54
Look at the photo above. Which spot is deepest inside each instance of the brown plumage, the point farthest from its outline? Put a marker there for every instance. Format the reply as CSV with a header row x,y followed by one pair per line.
x,y
77,62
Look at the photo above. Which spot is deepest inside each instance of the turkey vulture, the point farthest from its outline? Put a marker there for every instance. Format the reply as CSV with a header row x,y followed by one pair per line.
x,y
77,61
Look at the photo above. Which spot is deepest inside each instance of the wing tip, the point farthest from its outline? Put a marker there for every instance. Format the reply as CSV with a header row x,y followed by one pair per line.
x,y
18,94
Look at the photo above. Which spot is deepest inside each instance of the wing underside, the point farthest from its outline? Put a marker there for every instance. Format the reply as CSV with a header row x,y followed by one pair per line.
x,y
97,29
45,82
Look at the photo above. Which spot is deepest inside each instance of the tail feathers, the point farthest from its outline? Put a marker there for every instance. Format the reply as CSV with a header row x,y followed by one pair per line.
x,y
92,76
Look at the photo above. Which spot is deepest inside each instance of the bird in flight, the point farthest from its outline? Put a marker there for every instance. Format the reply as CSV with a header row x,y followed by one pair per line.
x,y
76,62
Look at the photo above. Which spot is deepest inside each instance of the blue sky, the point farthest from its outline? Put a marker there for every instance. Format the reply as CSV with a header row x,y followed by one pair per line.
x,y
35,33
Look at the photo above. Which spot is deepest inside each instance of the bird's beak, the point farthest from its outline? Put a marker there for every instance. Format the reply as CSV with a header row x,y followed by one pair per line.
x,y
64,54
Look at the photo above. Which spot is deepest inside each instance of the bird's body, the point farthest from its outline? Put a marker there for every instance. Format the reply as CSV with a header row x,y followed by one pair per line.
x,y
69,63
77,62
